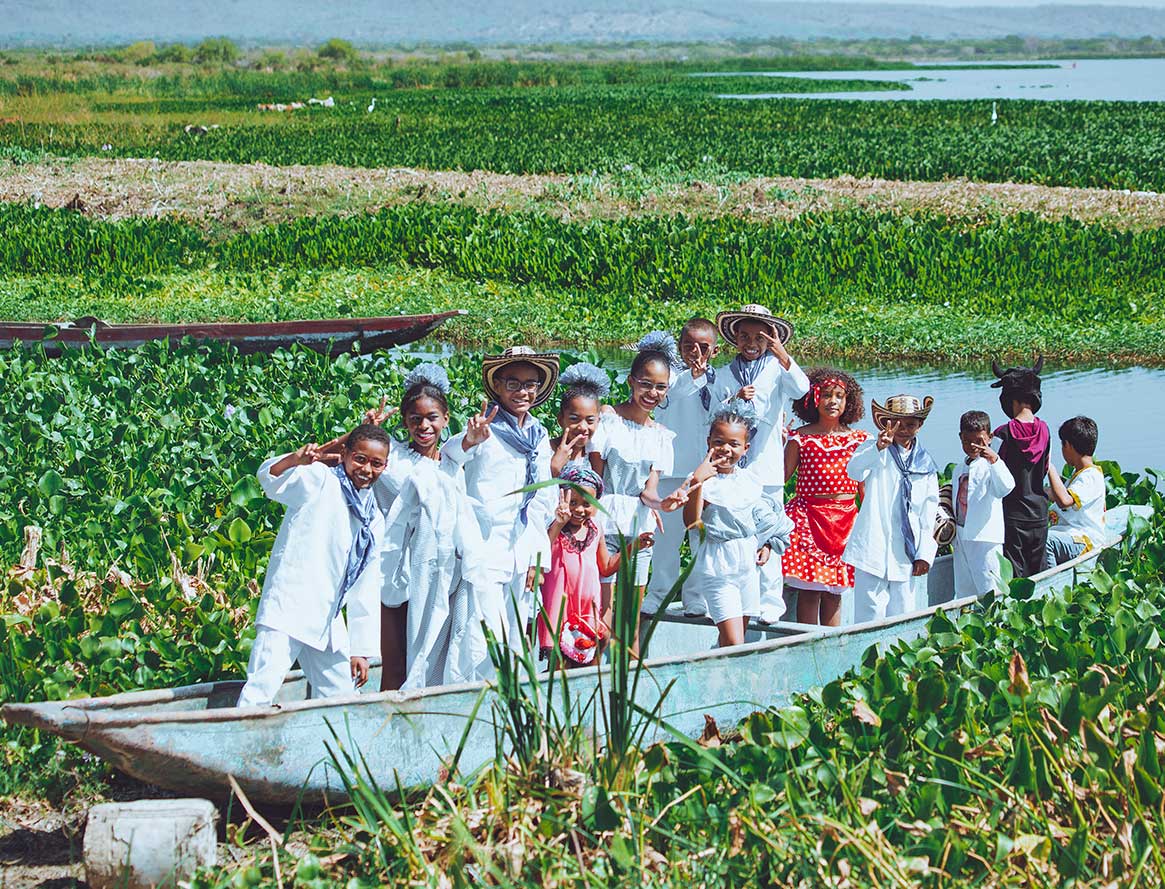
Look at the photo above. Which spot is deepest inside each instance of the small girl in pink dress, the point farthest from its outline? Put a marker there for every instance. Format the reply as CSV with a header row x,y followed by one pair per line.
x,y
579,558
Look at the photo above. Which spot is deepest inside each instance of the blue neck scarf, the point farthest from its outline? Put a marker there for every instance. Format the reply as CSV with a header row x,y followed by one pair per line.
x,y
362,509
524,440
706,391
746,372
915,462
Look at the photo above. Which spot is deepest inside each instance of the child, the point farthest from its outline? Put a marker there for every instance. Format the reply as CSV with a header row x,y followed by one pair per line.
x,y
893,538
685,411
631,452
1024,449
584,386
1078,513
978,486
502,450
571,592
764,374
824,507
743,527
324,558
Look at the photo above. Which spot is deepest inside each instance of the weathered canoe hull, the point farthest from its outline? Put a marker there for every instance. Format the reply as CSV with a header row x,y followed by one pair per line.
x,y
188,739
329,336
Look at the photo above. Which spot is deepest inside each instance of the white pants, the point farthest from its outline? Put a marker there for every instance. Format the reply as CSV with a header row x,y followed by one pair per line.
x,y
329,672
876,597
506,609
665,560
772,576
976,567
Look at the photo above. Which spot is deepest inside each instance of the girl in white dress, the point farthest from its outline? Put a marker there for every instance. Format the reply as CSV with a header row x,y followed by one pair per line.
x,y
742,526
630,451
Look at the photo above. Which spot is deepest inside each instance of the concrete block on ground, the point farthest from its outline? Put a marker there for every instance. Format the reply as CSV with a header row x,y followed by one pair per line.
x,y
148,843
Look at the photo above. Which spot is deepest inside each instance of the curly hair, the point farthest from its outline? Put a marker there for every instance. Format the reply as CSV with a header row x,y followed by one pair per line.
x,y
805,407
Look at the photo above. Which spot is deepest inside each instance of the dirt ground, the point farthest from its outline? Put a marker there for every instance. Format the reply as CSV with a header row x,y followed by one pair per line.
x,y
242,195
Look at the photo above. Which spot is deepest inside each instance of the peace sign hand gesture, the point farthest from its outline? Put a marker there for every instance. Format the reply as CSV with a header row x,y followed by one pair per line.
x,y
886,435
378,416
477,430
562,511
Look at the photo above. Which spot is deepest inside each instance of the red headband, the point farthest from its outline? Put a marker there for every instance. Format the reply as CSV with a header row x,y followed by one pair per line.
x,y
825,384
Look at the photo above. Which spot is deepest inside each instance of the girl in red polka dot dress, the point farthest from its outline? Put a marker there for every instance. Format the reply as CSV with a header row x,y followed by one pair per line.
x,y
824,506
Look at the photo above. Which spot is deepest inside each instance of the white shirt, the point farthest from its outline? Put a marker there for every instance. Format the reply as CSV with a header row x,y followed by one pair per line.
x,y
684,414
877,544
1084,519
776,388
631,452
309,560
403,461
493,472
981,517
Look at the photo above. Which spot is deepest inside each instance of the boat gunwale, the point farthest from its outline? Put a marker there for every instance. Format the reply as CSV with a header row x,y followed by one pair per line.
x,y
108,715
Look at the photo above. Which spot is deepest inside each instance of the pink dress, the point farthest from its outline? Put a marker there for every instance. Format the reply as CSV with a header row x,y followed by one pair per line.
x,y
572,583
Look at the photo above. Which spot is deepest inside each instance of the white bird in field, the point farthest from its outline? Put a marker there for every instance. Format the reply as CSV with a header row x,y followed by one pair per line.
x,y
372,106
994,113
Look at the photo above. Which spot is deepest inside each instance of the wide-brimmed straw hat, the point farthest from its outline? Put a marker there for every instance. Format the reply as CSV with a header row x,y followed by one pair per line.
x,y
546,362
727,321
900,407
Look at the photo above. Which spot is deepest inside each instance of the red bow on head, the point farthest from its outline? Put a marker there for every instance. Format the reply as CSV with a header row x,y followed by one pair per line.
x,y
827,383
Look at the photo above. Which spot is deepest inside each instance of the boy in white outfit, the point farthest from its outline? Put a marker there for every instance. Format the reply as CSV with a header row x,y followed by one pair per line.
x,y
765,375
502,450
685,412
893,538
1077,510
978,486
324,558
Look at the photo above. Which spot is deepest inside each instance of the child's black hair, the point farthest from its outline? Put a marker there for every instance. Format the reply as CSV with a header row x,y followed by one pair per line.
x,y
974,421
805,407
657,346
583,380
425,381
1081,433
698,324
737,413
368,432
423,389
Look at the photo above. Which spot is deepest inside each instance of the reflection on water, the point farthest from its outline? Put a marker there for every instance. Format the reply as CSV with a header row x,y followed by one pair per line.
x,y
1129,80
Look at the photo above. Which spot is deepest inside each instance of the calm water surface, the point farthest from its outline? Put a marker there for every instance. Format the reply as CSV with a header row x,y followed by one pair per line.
x,y
1128,80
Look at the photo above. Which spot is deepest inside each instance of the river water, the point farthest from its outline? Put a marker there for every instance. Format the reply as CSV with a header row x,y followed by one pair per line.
x,y
1126,80
1128,404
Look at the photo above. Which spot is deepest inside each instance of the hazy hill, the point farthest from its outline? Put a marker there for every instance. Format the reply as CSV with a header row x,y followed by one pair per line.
x,y
369,22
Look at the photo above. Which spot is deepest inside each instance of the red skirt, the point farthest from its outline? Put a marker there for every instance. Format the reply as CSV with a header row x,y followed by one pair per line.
x,y
821,529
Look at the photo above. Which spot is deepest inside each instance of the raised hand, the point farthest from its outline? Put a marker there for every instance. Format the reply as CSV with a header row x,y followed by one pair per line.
x,y
568,443
562,511
308,454
477,430
988,454
672,502
378,416
886,434
775,345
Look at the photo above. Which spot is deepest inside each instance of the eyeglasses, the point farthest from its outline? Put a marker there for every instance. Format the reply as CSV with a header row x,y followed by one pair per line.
x,y
520,385
361,460
647,386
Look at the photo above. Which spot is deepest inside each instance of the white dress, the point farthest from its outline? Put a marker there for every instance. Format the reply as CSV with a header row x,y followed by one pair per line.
x,y
738,519
402,462
682,412
631,452
433,558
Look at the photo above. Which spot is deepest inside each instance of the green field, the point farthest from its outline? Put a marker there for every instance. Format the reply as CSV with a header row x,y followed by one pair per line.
x,y
1018,746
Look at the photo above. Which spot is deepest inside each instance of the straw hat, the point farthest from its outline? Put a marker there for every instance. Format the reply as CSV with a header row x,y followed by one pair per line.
x,y
900,407
546,362
727,321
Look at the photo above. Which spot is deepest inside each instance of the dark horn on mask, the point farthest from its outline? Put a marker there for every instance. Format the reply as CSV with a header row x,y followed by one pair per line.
x,y
996,369
1039,365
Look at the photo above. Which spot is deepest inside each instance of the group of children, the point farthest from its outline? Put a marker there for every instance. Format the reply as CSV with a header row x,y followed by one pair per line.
x,y
434,545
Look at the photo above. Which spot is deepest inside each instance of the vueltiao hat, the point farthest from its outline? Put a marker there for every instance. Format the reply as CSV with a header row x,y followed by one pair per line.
x,y
546,362
900,407
726,322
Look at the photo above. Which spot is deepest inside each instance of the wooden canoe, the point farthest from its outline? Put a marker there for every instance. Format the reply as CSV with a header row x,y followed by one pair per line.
x,y
329,335
189,739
